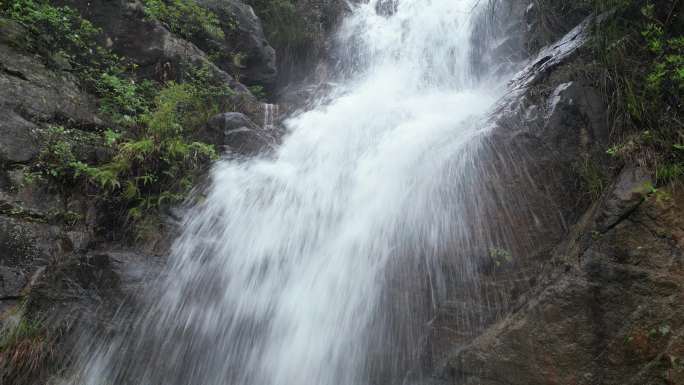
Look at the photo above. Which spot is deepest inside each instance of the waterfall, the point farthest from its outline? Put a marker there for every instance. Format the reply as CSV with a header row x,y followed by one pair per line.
x,y
312,265
270,115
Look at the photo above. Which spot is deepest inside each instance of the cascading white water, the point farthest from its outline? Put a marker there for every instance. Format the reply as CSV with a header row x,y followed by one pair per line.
x,y
279,276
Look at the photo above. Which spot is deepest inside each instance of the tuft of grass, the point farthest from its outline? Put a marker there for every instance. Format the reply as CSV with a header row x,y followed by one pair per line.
x,y
593,180
638,63
25,351
640,54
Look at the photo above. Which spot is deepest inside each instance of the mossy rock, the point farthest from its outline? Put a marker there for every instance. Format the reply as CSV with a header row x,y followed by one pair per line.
x,y
14,34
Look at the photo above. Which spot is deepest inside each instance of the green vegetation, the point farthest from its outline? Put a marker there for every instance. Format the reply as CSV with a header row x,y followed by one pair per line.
x,y
637,51
160,165
61,35
592,177
185,18
500,257
151,158
153,165
258,92
203,27
123,99
640,49
12,336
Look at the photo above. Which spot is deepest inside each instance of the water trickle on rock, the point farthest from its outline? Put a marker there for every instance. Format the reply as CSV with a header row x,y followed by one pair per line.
x,y
270,115
301,267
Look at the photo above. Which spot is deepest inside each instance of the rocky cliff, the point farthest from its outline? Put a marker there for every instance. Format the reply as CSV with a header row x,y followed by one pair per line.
x,y
596,297
76,79
591,295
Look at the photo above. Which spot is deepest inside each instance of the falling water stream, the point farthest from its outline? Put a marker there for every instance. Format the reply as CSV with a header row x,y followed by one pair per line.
x,y
284,274
270,116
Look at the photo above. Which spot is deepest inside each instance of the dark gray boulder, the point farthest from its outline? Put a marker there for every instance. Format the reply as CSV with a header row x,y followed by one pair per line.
x,y
23,243
609,314
632,186
160,55
12,281
600,303
24,248
18,138
234,132
575,120
243,36
34,92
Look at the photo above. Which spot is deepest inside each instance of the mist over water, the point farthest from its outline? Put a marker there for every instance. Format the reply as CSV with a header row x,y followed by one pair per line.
x,y
284,274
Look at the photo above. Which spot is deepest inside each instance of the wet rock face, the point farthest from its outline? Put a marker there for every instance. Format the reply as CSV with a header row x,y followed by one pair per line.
x,y
611,315
161,55
165,56
235,133
543,130
53,268
575,121
311,61
632,186
246,38
601,300
33,92
32,96
556,125
19,141
37,243
24,249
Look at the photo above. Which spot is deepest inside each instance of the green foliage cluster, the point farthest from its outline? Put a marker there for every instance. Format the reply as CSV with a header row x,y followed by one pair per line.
x,y
56,159
258,92
640,48
185,18
60,33
121,99
158,166
152,159
196,23
153,165
500,256
666,76
62,36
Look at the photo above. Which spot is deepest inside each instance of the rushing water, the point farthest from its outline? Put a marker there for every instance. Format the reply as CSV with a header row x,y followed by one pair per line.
x,y
287,273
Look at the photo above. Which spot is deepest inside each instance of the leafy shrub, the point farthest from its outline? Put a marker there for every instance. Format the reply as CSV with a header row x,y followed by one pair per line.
x,y
160,165
592,179
152,166
185,18
500,257
122,100
258,92
56,160
61,31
